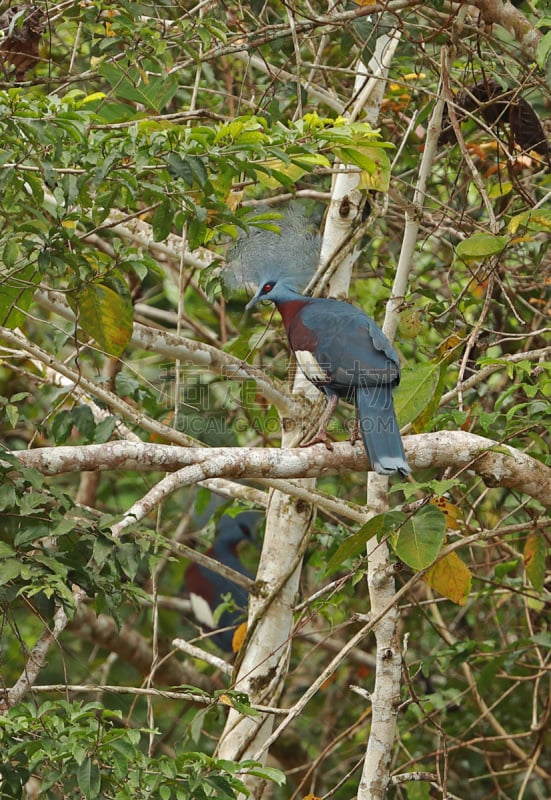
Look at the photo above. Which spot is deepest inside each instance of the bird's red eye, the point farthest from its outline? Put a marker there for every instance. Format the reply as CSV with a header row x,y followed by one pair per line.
x,y
267,288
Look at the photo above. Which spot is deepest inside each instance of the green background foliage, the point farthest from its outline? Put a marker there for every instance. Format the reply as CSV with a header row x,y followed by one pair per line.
x,y
131,154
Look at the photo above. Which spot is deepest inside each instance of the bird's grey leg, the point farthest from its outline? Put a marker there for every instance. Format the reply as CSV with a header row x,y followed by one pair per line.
x,y
321,436
355,429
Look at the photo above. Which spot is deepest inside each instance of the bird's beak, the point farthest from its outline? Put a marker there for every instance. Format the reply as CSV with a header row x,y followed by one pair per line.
x,y
253,301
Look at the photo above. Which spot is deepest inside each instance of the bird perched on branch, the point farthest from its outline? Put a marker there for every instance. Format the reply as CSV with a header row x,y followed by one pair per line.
x,y
207,588
338,347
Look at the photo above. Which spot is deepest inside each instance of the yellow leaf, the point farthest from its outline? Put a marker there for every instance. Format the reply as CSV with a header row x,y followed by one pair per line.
x,y
226,700
239,637
447,349
453,514
234,199
410,323
106,314
451,578
91,98
534,560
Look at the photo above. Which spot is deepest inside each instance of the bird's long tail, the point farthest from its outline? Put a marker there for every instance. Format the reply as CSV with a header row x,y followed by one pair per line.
x,y
379,430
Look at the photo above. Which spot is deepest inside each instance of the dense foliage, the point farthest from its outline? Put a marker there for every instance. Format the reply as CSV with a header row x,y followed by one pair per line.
x,y
136,140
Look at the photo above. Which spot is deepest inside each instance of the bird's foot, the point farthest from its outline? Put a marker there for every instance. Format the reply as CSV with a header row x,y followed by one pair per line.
x,y
354,432
321,437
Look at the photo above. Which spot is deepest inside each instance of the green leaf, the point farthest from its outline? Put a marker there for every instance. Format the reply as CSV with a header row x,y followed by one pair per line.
x,y
238,700
267,773
500,189
417,790
89,779
104,429
62,425
222,787
481,245
543,50
12,413
8,495
180,168
374,163
16,294
128,558
83,420
418,541
11,253
162,221
6,550
419,389
106,316
311,160
135,84
11,568
198,170
379,526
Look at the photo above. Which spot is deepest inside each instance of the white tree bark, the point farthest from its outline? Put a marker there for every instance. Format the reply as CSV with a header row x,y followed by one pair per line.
x,y
263,660
498,464
264,663
386,694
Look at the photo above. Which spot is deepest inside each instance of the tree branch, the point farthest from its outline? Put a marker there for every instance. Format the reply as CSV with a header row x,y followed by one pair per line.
x,y
176,348
505,14
498,464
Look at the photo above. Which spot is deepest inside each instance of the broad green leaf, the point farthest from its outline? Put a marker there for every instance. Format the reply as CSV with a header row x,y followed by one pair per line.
x,y
8,495
238,700
481,245
374,163
179,167
104,429
273,173
417,790
12,413
379,526
161,221
16,292
11,253
198,170
418,541
311,160
89,779
268,773
106,316
240,346
6,550
500,189
419,387
62,425
197,724
11,568
135,84
535,554
84,422
543,50
451,578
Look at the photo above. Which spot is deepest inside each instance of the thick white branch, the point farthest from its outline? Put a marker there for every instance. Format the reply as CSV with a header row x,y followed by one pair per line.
x,y
498,464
